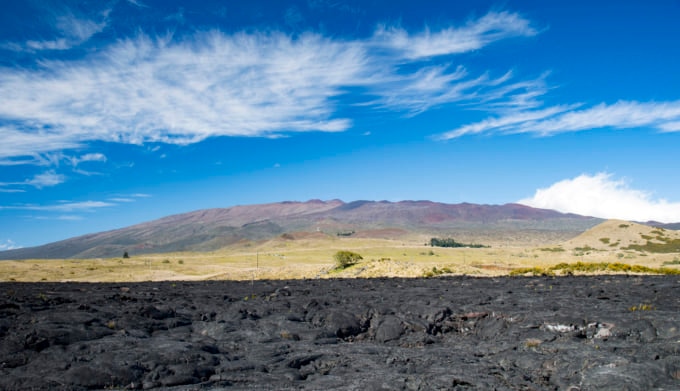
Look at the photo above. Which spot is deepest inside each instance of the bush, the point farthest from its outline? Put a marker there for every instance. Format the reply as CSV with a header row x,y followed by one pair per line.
x,y
344,259
449,242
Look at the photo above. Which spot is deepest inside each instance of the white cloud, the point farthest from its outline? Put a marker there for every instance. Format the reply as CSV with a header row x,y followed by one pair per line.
x,y
474,35
128,197
505,123
70,210
246,84
70,218
138,3
30,142
121,199
659,116
63,207
672,126
603,196
8,245
437,85
72,31
152,91
89,157
45,179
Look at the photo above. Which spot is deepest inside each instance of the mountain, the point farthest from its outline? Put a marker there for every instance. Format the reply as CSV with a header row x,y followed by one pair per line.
x,y
212,229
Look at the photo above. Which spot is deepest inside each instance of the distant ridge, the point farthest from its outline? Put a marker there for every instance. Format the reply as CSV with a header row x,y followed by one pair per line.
x,y
212,229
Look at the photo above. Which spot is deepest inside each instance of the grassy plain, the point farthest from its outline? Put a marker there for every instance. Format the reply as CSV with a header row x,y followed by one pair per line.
x,y
283,258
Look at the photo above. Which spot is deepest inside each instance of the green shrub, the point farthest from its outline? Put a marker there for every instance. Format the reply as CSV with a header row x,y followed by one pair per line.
x,y
345,259
552,249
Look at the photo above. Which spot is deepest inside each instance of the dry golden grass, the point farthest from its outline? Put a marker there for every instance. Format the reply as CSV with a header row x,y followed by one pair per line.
x,y
312,257
619,234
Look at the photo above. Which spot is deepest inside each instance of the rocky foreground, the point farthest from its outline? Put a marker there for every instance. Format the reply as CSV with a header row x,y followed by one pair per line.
x,y
458,333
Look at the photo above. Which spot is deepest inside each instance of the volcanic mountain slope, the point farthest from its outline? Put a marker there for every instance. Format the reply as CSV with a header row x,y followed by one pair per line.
x,y
211,229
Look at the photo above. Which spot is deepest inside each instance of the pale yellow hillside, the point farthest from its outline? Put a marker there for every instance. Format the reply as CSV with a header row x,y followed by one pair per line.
x,y
615,235
310,255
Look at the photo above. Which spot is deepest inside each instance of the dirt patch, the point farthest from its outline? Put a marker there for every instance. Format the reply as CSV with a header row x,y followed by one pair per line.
x,y
493,267
387,233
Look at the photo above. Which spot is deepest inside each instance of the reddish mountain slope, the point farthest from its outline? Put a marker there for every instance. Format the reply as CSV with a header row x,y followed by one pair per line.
x,y
212,229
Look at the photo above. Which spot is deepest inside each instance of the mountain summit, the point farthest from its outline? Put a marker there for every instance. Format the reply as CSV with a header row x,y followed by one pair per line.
x,y
212,229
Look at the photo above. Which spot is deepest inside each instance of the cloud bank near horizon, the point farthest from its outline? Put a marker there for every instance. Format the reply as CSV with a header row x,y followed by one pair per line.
x,y
601,195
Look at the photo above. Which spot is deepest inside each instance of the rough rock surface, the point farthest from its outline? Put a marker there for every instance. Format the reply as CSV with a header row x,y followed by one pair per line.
x,y
458,333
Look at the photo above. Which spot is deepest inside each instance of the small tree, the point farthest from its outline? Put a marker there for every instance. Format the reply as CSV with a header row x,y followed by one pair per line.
x,y
344,259
126,255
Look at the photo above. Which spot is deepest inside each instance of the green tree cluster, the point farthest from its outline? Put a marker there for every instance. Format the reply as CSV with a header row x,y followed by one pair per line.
x,y
449,242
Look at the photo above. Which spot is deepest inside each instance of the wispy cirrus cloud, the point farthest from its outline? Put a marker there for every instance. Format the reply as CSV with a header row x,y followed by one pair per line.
x,y
45,179
602,195
88,157
128,197
53,159
659,116
70,29
506,123
75,161
73,210
48,178
27,144
83,206
436,86
474,35
137,3
256,84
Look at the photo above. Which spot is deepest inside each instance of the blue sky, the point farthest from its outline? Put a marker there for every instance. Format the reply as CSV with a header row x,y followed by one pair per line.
x,y
117,112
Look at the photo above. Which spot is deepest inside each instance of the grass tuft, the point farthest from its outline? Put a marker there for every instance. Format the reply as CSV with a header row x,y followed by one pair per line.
x,y
642,307
586,267
437,272
667,246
